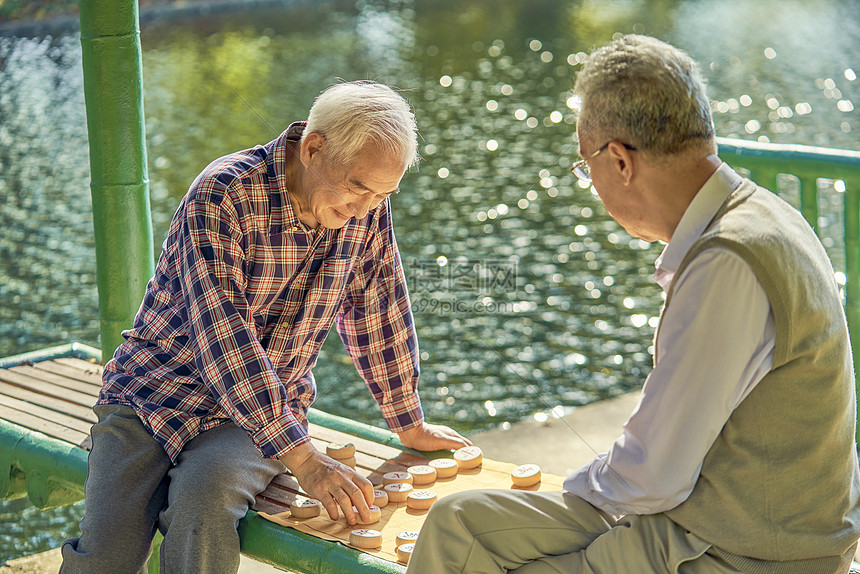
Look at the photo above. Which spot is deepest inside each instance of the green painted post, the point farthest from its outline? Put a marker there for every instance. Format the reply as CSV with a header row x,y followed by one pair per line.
x,y
852,273
153,566
113,90
809,200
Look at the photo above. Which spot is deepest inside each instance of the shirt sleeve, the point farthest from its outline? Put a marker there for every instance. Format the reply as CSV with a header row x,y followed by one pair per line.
x,y
377,329
715,343
229,357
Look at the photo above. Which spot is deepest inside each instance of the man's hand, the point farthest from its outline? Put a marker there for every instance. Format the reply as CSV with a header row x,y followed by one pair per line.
x,y
427,436
332,483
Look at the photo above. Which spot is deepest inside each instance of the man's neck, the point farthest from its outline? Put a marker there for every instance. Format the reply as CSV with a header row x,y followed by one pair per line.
x,y
673,187
294,174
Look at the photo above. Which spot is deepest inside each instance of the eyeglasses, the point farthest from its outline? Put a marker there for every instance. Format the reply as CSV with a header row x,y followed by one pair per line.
x,y
581,170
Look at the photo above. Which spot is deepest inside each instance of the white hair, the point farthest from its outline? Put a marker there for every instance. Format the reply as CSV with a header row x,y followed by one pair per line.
x,y
646,93
351,115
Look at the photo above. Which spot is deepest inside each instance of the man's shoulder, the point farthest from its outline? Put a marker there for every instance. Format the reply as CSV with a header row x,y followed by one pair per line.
x,y
771,236
246,170
753,214
765,231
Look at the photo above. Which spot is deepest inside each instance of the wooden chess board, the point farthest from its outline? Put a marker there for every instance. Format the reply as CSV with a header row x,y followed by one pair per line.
x,y
372,461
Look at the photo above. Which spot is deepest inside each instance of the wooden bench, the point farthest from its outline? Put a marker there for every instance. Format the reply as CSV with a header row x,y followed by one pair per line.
x,y
45,416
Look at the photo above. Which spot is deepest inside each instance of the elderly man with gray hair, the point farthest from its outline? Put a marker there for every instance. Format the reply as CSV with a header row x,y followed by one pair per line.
x,y
740,456
206,400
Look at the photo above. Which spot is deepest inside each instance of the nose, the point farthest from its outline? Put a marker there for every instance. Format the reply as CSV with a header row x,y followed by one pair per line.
x,y
360,206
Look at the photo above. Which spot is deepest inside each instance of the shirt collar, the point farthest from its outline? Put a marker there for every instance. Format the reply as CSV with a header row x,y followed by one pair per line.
x,y
279,163
696,218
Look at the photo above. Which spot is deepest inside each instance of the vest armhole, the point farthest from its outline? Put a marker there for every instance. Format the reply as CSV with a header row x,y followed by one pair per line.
x,y
774,296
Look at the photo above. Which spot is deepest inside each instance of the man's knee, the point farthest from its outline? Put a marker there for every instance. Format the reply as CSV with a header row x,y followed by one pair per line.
x,y
218,486
454,504
459,508
481,506
207,508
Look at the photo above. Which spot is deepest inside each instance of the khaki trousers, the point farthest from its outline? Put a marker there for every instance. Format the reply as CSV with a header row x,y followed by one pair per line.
x,y
494,531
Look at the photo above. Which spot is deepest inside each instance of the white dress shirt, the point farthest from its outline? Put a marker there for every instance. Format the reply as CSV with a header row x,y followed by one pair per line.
x,y
716,342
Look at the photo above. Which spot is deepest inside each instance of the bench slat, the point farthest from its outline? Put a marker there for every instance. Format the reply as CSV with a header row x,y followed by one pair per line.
x,y
47,401
54,379
47,427
46,414
14,378
93,371
361,444
57,368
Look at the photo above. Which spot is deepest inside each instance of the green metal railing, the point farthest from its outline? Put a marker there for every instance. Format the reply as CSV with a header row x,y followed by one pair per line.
x,y
767,162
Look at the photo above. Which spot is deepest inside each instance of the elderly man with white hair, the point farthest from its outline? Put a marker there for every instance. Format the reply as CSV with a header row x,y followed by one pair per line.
x,y
206,400
740,456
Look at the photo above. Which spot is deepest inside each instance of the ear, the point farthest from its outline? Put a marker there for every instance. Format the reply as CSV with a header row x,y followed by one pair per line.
x,y
313,143
622,161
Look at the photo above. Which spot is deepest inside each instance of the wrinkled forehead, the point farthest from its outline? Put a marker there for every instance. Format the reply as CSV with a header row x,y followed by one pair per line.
x,y
376,171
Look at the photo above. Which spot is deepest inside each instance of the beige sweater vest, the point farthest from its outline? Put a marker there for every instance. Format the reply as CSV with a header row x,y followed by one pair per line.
x,y
779,490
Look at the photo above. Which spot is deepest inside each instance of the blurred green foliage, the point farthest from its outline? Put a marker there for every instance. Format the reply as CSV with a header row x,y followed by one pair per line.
x,y
35,9
45,9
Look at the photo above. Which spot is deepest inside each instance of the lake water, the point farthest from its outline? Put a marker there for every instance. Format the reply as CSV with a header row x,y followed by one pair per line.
x,y
527,296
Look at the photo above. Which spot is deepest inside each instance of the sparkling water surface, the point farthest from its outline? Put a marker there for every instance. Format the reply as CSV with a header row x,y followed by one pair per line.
x,y
528,298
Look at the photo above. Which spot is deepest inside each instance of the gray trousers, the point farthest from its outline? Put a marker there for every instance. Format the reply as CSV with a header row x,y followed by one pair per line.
x,y
498,531
132,489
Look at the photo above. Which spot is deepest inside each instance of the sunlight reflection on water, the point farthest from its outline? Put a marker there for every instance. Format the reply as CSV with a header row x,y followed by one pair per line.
x,y
527,296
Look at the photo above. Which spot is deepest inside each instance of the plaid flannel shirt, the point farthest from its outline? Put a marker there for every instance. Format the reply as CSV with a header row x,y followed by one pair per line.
x,y
242,299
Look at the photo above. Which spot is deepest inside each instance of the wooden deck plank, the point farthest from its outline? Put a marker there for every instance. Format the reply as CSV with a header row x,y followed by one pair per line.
x,y
58,368
13,378
54,379
263,504
46,414
47,427
47,401
89,368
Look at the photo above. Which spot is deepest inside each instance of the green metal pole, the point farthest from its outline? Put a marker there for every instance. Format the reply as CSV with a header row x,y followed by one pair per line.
x,y
50,471
78,350
809,200
113,90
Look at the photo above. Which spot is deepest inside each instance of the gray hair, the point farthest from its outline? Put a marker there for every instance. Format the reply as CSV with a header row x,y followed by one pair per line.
x,y
352,115
646,93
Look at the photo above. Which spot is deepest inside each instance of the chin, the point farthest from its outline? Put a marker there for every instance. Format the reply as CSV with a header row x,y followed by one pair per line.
x,y
335,225
335,222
